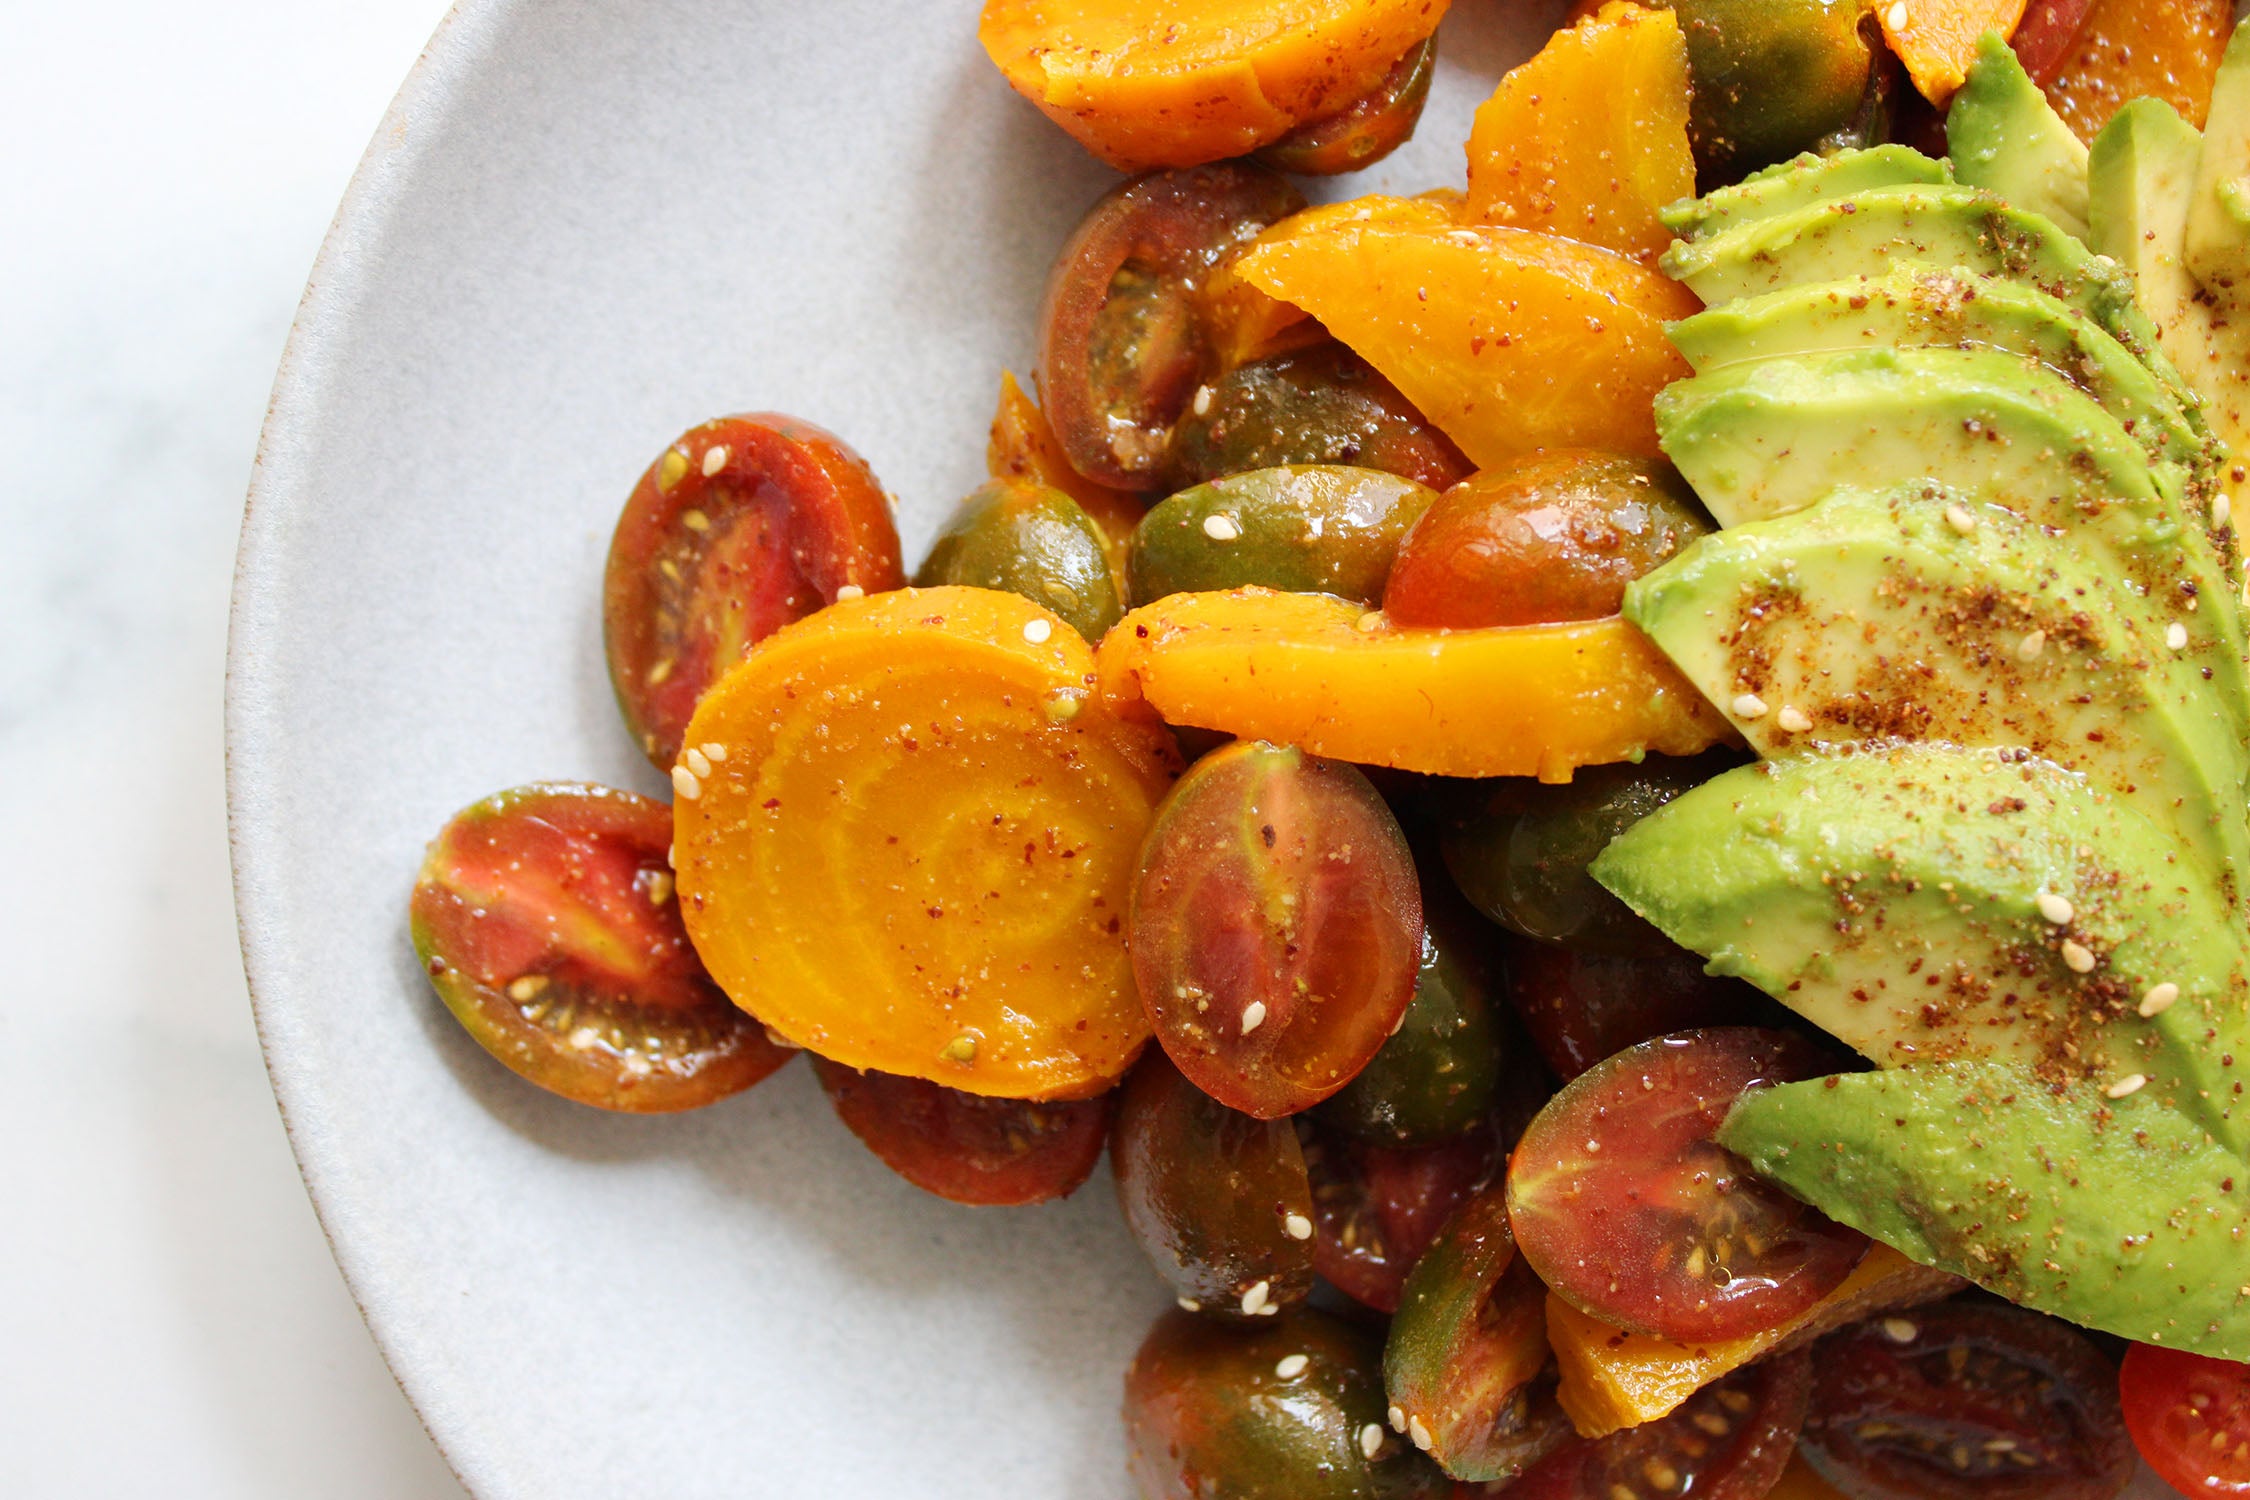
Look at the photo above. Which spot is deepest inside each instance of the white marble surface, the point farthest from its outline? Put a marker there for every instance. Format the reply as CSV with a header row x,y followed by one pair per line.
x,y
172,1322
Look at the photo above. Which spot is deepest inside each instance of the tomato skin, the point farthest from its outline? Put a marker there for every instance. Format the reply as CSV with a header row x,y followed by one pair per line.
x,y
741,526
1365,131
1729,1441
1378,1209
2044,36
1023,537
545,920
1122,347
1215,1199
1966,1400
1632,1213
1319,405
1583,1007
984,1152
2189,1415
1276,926
1551,538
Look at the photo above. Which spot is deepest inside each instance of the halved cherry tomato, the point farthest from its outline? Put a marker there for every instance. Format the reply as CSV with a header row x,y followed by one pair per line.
x,y
966,1147
1365,131
2189,1415
1121,345
742,526
1625,1206
2044,36
1966,1401
1728,1441
544,916
1377,1208
1276,926
1218,1202
1582,1007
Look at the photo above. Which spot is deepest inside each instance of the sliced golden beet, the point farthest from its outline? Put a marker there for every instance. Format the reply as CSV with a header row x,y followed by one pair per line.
x,y
1937,39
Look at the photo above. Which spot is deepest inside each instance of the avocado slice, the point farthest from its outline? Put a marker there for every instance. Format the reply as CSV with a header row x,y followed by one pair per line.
x,y
2004,137
1802,181
1904,900
2217,244
2120,1214
1926,614
1918,307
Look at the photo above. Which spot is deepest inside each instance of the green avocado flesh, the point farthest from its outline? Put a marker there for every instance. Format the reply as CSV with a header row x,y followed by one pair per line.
x,y
1799,183
2003,136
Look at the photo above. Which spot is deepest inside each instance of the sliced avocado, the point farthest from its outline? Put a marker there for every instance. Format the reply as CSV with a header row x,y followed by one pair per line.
x,y
1924,614
2004,137
1802,181
2217,244
2119,1214
1907,901
1916,307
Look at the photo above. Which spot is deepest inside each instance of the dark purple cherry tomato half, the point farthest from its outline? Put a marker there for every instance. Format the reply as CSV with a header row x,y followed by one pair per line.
x,y
545,919
1122,346
1966,1401
1728,1441
1377,1208
1276,926
1288,1410
1582,1007
965,1147
1627,1208
1365,131
1218,1202
2189,1415
742,526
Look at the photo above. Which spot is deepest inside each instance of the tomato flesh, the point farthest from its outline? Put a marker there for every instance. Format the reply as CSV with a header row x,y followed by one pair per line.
x,y
1276,926
986,1152
1729,1441
743,525
1376,1209
1967,1401
2189,1415
1631,1212
544,917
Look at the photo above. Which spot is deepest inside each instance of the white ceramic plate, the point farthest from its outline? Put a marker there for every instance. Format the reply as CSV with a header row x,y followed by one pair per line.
x,y
585,225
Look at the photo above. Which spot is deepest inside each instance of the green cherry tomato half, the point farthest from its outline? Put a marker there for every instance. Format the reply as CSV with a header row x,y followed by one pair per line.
x,y
1122,346
1276,926
1291,1410
1771,78
1377,1208
966,1147
1554,537
1966,1401
1029,539
1729,1441
1468,1348
1323,405
1309,529
1218,1202
742,526
545,920
1632,1213
1364,131
1582,1007
2189,1415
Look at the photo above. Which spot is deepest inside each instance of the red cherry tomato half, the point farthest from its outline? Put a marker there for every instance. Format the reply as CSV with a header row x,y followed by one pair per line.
x,y
2190,1417
545,918
1276,926
1728,1441
2043,37
1581,1007
1377,1208
1628,1209
985,1152
744,525
1966,1401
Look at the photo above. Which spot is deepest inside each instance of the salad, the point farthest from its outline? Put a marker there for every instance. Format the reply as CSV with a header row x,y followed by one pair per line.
x,y
1622,796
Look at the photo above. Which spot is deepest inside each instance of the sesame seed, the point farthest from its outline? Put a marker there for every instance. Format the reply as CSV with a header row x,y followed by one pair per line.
x,y
685,784
2175,636
779,1040
695,520
2077,957
1037,631
1369,623
714,751
1792,719
2222,509
1269,1310
526,987
1900,1330
2126,1087
1291,1366
2055,908
850,591
2030,646
2159,999
1397,1415
1297,1227
1203,401
584,1037
1749,706
1418,1432
1189,1304
1371,1439
714,459
1253,1016
698,762
1221,528
1897,16
1254,1300
1959,519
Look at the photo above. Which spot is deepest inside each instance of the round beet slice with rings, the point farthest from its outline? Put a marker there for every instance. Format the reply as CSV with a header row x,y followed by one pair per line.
x,y
545,920
989,1153
1627,1208
742,526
